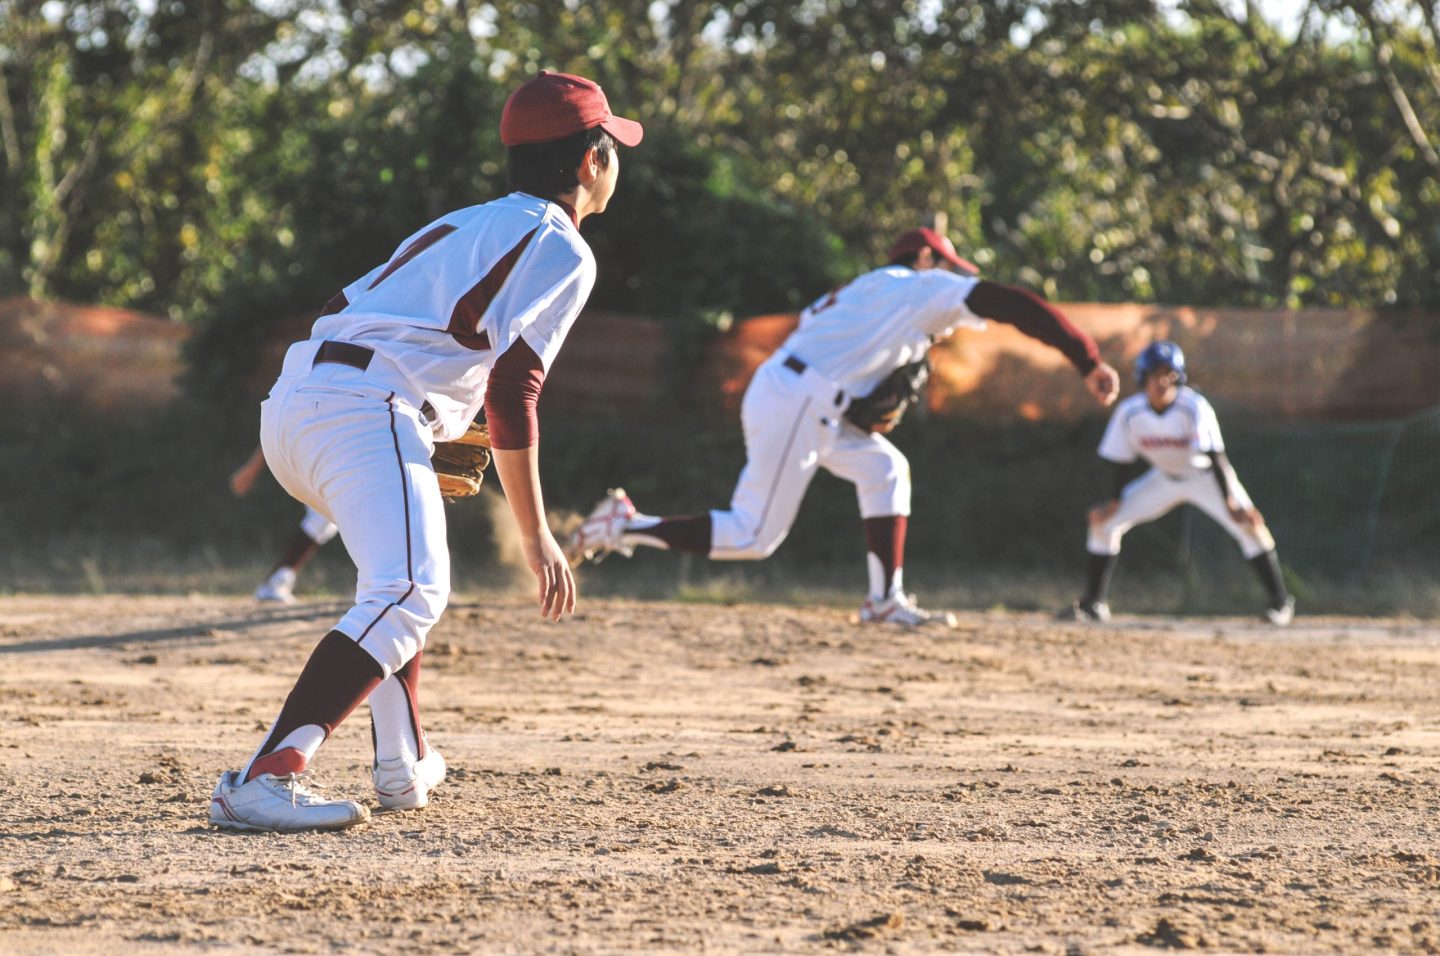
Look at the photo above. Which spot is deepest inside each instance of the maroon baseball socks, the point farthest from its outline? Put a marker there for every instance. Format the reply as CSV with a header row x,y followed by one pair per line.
x,y
338,676
885,554
690,533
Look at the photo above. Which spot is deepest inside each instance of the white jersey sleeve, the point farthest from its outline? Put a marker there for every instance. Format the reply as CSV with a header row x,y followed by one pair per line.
x,y
1207,426
1116,445
542,297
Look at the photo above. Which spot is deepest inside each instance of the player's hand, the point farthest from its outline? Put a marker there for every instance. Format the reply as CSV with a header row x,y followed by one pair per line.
x,y
1104,512
552,574
1104,383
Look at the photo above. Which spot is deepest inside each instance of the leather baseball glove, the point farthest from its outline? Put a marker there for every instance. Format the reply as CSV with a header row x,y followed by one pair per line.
x,y
882,409
460,464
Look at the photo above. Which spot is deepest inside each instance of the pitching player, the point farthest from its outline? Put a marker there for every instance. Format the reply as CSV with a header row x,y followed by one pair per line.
x,y
469,312
1173,429
314,531
793,415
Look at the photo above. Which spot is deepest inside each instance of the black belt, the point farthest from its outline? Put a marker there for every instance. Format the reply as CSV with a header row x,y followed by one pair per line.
x,y
344,353
357,356
798,366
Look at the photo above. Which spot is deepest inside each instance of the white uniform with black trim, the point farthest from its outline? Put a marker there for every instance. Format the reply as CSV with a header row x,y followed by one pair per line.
x,y
354,445
847,342
1177,443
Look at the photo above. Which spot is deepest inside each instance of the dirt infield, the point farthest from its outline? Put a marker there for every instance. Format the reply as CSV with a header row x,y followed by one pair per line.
x,y
752,779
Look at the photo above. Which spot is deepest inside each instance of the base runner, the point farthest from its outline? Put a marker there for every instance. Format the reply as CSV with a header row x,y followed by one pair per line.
x,y
826,399
1173,429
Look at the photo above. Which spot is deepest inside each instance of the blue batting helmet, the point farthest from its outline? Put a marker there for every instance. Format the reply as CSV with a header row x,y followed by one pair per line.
x,y
1159,355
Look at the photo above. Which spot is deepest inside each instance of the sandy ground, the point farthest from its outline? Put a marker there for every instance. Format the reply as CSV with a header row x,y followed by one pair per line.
x,y
658,777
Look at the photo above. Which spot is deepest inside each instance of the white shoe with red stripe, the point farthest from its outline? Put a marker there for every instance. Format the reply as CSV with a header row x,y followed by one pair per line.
x,y
271,804
900,608
401,784
600,533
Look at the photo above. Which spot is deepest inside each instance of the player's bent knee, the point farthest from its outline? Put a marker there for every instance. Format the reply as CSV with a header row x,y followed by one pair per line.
x,y
757,549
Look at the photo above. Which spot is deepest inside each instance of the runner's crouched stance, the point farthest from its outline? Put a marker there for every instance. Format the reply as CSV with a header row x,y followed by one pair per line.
x,y
1172,428
469,312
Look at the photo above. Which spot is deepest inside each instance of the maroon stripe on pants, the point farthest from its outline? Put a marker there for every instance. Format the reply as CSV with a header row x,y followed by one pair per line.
x,y
405,509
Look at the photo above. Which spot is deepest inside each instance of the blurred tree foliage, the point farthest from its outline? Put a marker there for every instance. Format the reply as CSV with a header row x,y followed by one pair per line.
x,y
229,162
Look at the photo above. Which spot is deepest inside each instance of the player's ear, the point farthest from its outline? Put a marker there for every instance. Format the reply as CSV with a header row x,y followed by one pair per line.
x,y
591,165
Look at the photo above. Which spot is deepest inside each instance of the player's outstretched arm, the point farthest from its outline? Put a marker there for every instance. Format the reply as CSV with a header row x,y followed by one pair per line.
x,y
1040,320
519,471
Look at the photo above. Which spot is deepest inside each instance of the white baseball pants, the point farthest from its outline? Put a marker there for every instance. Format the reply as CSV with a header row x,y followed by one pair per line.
x,y
361,457
1154,494
794,425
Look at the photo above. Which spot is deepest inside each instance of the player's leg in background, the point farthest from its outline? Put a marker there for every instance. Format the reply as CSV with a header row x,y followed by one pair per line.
x,y
314,532
1256,543
784,437
1144,499
881,476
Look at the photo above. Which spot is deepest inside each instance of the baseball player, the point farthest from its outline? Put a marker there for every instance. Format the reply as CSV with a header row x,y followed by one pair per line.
x,y
314,531
794,417
1174,430
469,312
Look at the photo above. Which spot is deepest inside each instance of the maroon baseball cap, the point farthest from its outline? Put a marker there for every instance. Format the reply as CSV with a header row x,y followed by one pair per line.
x,y
922,238
556,105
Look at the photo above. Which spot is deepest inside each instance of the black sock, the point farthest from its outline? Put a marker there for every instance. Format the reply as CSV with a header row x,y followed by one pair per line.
x,y
1097,577
1267,568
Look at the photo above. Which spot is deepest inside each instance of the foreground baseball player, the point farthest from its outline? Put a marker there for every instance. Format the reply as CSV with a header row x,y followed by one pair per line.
x,y
1173,428
470,311
314,531
794,415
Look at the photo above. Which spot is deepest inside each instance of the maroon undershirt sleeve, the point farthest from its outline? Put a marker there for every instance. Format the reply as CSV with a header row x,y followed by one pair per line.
x,y
1036,318
511,396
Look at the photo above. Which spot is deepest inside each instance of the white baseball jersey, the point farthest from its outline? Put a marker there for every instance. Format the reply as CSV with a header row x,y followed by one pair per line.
x,y
1176,441
461,291
864,330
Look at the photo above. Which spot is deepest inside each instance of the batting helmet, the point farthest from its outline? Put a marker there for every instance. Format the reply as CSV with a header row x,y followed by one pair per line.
x,y
1159,355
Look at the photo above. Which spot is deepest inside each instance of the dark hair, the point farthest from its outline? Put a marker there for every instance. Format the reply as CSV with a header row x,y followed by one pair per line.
x,y
908,260
549,170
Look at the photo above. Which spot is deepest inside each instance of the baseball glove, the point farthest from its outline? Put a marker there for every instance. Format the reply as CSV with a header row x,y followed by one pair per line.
x,y
882,409
460,464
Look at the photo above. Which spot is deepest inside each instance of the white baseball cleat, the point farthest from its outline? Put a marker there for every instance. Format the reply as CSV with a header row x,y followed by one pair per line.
x,y
271,804
1281,614
600,534
402,784
1090,612
278,588
900,608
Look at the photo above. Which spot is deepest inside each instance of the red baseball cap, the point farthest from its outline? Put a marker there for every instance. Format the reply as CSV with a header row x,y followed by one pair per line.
x,y
922,238
556,105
